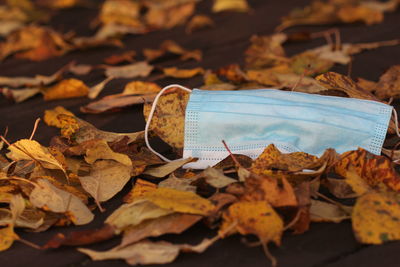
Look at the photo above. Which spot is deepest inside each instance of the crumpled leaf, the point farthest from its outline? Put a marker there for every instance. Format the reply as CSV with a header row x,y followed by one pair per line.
x,y
19,95
230,5
68,88
25,149
146,252
266,51
115,59
389,83
182,73
135,213
181,184
375,218
140,188
255,217
174,48
180,201
376,171
49,197
99,149
174,223
138,69
199,22
216,178
105,179
321,211
167,168
169,117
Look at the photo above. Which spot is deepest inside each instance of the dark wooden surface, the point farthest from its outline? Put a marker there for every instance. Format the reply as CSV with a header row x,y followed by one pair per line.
x,y
328,245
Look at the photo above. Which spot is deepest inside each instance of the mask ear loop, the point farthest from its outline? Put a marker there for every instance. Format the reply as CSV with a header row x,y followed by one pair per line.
x,y
151,114
396,123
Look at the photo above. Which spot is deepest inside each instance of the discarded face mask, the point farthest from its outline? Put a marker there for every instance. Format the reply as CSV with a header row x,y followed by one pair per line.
x,y
250,120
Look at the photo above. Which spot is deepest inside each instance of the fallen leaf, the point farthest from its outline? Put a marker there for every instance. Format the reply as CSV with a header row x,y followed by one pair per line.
x,y
139,69
257,218
141,88
80,69
167,168
105,179
134,213
216,178
140,188
182,73
7,237
115,59
230,5
169,117
199,22
47,196
174,48
95,90
19,95
174,223
375,218
179,201
321,211
68,88
181,184
389,83
99,149
38,80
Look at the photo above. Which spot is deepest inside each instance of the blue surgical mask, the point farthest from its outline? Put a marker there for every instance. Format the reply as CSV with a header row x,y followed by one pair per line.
x,y
250,120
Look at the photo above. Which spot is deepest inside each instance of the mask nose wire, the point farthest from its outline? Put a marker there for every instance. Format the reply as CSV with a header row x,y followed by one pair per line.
x,y
151,114
396,122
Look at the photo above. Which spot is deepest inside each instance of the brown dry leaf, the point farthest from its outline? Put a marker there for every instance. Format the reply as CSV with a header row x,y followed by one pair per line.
x,y
181,184
140,188
375,218
134,213
257,218
336,81
351,14
47,196
95,90
34,43
374,170
105,179
233,73
357,184
340,188
139,69
174,223
38,80
174,48
230,5
115,59
199,22
111,102
19,95
276,191
69,88
266,51
182,73
325,212
120,12
51,118
167,168
302,84
80,69
309,64
169,117
389,83
180,201
146,252
216,178
25,149
166,14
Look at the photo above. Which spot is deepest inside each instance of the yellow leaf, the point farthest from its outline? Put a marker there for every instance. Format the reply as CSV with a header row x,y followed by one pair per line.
x,y
68,88
141,88
167,168
101,150
351,14
375,218
51,116
182,73
169,117
140,188
230,5
7,237
198,22
25,149
180,201
257,218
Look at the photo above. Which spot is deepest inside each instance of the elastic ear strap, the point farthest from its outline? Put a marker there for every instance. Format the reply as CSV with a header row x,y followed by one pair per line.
x,y
396,123
151,114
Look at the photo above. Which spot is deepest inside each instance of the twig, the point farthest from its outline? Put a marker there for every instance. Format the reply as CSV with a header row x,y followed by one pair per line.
x,y
273,260
28,243
231,154
34,128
